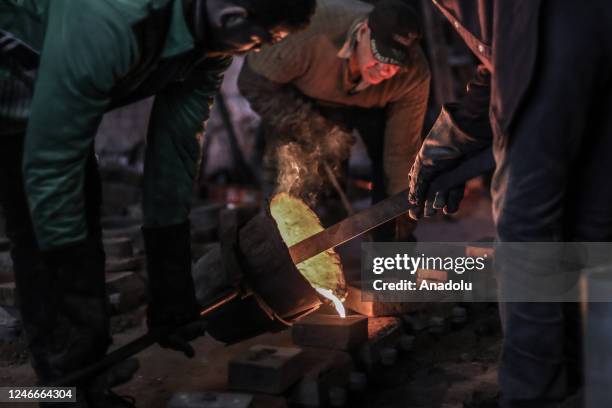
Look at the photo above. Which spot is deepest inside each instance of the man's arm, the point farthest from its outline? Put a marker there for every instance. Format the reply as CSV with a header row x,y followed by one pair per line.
x,y
82,55
173,148
266,77
403,132
462,128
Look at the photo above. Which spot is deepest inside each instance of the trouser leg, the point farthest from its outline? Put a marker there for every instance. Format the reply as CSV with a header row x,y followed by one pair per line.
x,y
35,283
550,186
65,317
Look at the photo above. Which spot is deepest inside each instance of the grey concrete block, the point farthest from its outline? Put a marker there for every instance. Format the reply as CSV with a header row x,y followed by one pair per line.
x,y
363,303
126,291
331,331
210,400
8,294
383,333
118,247
324,370
134,263
10,323
6,267
5,244
266,369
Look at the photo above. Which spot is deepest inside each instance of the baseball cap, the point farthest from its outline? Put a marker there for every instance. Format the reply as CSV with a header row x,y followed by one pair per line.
x,y
394,27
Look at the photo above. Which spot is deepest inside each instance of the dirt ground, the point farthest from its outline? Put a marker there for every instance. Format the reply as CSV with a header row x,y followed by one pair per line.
x,y
453,370
444,371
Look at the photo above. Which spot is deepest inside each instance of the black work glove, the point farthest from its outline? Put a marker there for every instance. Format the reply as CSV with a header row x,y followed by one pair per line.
x,y
173,311
448,201
443,149
178,337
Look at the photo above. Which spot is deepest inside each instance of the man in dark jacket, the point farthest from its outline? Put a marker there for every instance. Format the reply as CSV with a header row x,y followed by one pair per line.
x,y
356,67
542,98
62,66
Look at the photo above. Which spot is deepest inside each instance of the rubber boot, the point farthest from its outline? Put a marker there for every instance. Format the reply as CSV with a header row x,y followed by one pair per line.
x,y
173,309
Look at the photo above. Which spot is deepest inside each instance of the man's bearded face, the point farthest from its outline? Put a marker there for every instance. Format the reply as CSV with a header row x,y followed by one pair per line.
x,y
372,71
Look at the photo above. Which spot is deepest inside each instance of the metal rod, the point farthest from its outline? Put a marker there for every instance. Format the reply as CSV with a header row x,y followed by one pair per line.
x,y
225,299
133,347
332,178
386,210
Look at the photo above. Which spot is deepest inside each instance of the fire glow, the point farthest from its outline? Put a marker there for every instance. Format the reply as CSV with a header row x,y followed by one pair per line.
x,y
296,222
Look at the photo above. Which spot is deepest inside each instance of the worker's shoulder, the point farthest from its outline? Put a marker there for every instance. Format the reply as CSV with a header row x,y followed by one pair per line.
x,y
329,25
415,75
24,19
125,11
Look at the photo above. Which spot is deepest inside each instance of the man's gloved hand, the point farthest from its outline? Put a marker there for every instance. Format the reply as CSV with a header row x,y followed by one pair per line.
x,y
178,338
443,148
173,309
447,201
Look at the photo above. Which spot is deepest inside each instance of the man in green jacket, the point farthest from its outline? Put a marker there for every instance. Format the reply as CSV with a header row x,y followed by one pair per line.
x,y
63,64
355,67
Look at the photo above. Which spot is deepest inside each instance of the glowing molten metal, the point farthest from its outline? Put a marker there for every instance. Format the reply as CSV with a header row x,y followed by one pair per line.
x,y
296,222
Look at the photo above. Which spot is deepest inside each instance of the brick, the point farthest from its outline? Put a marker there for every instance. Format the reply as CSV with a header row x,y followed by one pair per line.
x,y
431,275
406,342
484,251
210,400
438,325
269,401
266,369
8,294
363,303
118,196
118,247
330,331
10,323
383,333
6,267
324,370
5,244
126,291
133,263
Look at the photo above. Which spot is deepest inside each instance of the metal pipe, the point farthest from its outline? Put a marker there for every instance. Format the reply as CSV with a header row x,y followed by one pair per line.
x,y
133,347
332,178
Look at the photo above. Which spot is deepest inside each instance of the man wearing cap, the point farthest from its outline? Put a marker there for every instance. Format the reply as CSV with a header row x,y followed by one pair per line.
x,y
356,67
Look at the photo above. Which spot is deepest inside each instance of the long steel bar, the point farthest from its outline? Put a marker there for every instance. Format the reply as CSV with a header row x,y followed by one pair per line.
x,y
134,347
386,210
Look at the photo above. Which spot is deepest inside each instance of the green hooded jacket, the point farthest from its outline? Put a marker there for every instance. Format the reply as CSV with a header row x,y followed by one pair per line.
x,y
93,56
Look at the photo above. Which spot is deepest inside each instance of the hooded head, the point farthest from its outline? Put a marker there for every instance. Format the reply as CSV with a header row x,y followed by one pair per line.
x,y
239,26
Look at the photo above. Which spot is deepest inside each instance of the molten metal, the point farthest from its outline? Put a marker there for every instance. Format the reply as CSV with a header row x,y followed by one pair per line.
x,y
296,222
334,299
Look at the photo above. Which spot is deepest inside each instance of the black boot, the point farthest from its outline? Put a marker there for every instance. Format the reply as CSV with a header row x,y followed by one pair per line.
x,y
173,308
80,333
98,393
64,309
